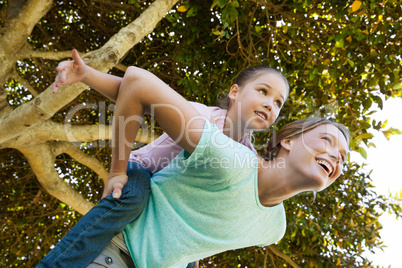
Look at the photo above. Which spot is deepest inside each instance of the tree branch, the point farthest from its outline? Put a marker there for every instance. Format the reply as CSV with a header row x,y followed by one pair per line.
x,y
119,45
279,253
20,27
41,160
38,110
50,131
121,67
81,157
47,104
4,106
50,55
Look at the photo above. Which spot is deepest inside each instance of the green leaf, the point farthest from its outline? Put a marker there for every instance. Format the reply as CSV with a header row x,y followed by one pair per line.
x,y
365,136
214,3
215,32
397,86
339,43
365,125
235,4
292,32
378,100
360,36
134,2
232,13
371,145
367,103
312,76
391,131
363,152
222,3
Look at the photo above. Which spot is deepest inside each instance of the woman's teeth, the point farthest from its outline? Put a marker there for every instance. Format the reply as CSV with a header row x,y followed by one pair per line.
x,y
326,165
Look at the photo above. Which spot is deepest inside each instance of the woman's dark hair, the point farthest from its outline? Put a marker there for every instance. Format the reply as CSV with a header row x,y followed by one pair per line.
x,y
248,74
295,129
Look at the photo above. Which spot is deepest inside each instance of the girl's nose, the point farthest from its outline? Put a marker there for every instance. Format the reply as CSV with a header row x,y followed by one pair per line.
x,y
267,106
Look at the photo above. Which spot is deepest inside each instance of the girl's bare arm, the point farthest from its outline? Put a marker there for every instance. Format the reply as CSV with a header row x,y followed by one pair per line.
x,y
142,92
70,72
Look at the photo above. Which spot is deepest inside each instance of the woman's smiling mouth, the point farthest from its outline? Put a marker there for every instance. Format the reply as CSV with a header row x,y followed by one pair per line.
x,y
325,165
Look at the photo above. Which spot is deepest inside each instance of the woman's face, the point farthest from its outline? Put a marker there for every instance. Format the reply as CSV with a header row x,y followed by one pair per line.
x,y
318,155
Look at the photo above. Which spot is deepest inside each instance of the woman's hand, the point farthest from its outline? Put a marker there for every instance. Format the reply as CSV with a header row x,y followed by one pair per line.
x,y
70,71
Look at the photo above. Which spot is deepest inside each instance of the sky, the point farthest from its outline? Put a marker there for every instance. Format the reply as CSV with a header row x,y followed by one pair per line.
x,y
385,160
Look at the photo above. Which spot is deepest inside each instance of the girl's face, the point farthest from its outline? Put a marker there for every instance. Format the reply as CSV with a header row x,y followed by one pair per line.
x,y
258,102
318,155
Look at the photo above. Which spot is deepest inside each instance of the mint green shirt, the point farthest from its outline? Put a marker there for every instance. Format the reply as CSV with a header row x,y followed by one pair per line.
x,y
204,204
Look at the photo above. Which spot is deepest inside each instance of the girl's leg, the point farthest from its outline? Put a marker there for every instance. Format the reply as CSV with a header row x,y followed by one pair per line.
x,y
95,230
114,255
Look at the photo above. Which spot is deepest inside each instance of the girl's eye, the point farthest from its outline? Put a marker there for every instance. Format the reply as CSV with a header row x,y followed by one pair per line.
x,y
278,103
263,91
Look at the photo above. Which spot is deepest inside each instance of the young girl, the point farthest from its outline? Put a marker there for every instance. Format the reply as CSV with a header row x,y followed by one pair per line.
x,y
217,195
254,103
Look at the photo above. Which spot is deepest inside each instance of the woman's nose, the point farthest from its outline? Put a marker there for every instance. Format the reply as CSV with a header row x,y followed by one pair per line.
x,y
337,157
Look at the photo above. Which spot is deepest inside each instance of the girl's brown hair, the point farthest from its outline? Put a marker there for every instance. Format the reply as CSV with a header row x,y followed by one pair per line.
x,y
295,129
246,75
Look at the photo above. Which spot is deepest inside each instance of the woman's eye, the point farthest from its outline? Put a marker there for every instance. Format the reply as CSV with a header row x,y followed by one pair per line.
x,y
343,157
262,91
327,139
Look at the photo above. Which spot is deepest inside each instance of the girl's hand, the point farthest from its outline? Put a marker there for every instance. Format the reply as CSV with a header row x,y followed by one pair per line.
x,y
115,184
70,71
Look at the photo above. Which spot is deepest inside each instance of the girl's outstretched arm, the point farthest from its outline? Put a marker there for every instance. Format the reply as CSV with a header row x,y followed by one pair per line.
x,y
70,72
142,92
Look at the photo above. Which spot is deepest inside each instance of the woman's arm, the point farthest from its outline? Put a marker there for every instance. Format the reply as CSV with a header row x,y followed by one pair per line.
x,y
142,92
70,72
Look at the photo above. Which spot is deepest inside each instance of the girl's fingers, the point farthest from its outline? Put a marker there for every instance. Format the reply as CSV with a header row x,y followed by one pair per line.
x,y
59,67
55,87
117,191
56,84
76,57
108,190
62,77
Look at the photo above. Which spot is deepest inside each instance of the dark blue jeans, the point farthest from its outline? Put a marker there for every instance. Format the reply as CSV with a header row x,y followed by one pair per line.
x,y
95,230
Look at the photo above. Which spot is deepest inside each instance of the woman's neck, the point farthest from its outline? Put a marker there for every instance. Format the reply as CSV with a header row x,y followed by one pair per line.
x,y
275,182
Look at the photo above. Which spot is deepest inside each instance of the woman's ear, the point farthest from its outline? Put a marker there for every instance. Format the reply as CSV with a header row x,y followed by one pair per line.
x,y
286,144
234,89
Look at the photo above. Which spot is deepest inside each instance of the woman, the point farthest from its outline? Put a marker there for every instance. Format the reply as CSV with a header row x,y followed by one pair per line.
x,y
216,195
